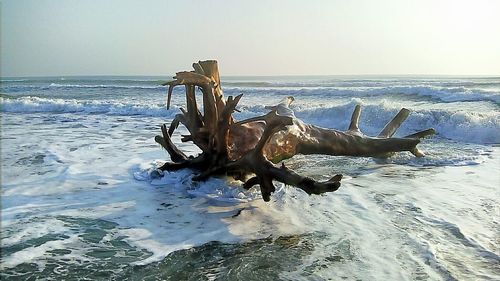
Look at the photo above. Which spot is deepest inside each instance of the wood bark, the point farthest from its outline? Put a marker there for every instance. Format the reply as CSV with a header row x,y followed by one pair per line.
x,y
250,149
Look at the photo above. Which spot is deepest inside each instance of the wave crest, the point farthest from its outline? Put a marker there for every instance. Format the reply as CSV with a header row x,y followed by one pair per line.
x,y
452,124
36,104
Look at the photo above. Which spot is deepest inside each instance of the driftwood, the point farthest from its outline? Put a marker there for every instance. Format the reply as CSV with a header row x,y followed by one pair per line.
x,y
249,149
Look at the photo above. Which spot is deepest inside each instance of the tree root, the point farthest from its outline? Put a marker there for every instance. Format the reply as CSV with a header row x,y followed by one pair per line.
x,y
253,146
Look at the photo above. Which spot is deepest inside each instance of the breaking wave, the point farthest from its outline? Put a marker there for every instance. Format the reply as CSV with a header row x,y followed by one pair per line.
x,y
443,91
442,94
456,125
36,104
105,86
45,87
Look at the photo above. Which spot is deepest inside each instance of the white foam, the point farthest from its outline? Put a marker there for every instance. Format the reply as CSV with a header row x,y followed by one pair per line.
x,y
29,231
459,125
455,124
165,212
37,104
219,189
439,93
35,253
459,114
106,86
375,218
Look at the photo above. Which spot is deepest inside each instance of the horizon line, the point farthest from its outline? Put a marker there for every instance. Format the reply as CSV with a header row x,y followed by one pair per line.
x,y
257,75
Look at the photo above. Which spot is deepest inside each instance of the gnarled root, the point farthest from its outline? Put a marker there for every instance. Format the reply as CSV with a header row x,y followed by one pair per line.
x,y
251,146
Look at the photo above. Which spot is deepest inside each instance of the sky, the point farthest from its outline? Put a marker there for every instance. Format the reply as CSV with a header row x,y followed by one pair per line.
x,y
310,37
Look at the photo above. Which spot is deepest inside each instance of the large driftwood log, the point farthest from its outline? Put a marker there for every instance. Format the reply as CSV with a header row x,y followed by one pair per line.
x,y
249,149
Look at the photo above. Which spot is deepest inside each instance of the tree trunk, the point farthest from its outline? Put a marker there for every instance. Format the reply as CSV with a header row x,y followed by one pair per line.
x,y
249,149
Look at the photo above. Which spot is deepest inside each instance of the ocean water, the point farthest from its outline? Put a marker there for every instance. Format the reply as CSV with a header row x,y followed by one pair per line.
x,y
80,197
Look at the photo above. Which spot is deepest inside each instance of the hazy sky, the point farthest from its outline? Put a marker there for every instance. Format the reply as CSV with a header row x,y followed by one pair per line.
x,y
119,37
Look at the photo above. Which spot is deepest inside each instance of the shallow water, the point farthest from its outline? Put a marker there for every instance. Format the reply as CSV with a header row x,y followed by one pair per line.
x,y
81,198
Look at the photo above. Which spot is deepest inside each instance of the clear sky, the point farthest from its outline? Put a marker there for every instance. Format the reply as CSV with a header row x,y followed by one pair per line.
x,y
331,37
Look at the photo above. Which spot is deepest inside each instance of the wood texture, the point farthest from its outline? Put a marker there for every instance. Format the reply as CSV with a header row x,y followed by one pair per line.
x,y
250,149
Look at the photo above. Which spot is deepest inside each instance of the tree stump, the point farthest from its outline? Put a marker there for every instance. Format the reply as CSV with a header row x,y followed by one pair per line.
x,y
249,149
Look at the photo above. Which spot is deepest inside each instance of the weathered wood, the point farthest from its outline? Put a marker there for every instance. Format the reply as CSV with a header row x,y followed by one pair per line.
x,y
354,126
422,134
194,114
166,142
395,123
250,148
210,69
225,120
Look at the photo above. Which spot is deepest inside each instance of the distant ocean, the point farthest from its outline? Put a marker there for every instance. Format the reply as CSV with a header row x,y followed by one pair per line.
x,y
79,199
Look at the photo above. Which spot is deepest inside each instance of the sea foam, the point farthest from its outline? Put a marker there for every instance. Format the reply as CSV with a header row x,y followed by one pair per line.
x,y
459,125
439,93
36,104
105,86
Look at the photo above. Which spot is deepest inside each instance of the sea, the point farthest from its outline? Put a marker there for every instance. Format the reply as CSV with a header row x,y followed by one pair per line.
x,y
81,197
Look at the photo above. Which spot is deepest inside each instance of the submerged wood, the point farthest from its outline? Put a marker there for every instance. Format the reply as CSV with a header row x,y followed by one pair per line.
x,y
249,149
